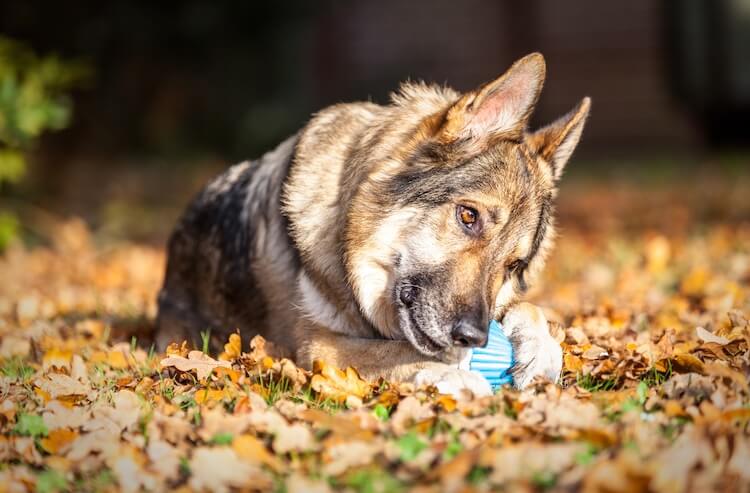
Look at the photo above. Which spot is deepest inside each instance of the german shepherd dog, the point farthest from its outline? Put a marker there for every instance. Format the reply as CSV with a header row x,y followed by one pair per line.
x,y
384,237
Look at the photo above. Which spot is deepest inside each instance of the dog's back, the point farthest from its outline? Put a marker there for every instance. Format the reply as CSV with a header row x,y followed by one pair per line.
x,y
213,279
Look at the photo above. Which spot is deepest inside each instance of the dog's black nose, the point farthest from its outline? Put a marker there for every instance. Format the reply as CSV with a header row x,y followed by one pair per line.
x,y
466,334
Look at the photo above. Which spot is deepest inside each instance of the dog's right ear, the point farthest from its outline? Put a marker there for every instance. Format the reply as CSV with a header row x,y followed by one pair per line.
x,y
498,109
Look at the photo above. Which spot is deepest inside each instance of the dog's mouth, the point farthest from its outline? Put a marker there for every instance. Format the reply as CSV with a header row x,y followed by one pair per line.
x,y
412,318
425,343
419,338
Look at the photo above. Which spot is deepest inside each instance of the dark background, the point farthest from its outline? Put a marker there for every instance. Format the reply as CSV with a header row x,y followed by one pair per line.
x,y
182,89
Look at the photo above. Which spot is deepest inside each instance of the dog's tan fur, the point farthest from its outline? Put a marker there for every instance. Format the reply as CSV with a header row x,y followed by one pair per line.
x,y
369,196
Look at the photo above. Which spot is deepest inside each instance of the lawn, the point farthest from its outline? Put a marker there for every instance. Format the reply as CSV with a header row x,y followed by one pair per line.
x,y
648,291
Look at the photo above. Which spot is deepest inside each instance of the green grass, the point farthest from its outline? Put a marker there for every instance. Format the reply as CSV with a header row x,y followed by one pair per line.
x,y
222,439
586,457
51,481
308,397
205,340
372,481
654,378
17,369
593,384
381,412
410,445
544,480
478,475
30,425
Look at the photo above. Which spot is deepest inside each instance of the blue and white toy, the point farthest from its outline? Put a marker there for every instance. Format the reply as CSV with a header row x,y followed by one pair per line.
x,y
494,359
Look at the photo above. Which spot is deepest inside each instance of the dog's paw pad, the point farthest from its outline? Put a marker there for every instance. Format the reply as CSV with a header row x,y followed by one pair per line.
x,y
453,381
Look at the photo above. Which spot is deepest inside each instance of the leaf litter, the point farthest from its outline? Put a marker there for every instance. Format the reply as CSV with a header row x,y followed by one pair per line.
x,y
653,395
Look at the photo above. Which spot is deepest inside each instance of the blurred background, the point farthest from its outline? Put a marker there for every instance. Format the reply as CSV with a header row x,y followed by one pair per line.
x,y
119,111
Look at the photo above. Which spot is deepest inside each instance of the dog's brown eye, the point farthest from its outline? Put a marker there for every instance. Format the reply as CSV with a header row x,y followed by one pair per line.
x,y
469,217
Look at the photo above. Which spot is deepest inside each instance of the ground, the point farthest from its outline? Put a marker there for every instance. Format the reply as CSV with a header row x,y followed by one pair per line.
x,y
648,291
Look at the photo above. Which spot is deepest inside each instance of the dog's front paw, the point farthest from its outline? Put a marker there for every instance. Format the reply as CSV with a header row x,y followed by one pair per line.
x,y
453,381
534,350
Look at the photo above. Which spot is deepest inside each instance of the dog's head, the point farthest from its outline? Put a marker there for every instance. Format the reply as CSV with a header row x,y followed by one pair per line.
x,y
455,221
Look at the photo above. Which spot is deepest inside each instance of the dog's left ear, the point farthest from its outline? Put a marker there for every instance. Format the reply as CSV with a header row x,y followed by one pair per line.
x,y
556,142
498,109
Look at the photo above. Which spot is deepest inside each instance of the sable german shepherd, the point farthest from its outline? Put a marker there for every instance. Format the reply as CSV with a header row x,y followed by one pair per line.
x,y
384,237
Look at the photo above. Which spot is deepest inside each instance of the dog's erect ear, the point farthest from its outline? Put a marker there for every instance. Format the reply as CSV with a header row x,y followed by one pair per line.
x,y
556,142
499,108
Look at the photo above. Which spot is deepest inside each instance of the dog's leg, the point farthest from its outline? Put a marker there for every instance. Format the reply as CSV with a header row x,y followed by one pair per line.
x,y
534,349
391,359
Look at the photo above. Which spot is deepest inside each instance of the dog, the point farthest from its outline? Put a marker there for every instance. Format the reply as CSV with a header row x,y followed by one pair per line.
x,y
384,237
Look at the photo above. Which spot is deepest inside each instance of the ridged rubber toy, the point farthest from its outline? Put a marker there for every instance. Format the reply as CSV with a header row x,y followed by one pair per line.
x,y
494,359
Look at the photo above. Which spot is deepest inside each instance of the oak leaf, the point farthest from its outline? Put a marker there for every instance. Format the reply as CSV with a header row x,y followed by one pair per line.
x,y
331,383
196,360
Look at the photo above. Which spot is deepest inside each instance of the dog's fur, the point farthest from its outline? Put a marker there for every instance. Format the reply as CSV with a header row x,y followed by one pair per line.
x,y
346,243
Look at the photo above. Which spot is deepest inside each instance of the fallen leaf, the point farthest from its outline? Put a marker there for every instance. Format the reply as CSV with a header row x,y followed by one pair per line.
x,y
232,349
348,454
707,336
250,448
56,358
295,437
196,360
335,384
58,440
219,469
60,385
572,363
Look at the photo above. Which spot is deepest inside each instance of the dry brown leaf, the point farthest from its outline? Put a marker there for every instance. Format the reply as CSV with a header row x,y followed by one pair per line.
x,y
232,349
295,437
60,415
410,411
331,383
11,346
594,352
56,358
707,336
59,385
572,363
58,440
124,414
196,360
175,349
164,459
219,469
252,449
340,457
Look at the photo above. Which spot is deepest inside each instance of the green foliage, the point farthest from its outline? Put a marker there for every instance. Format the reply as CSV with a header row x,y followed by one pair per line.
x,y
51,481
410,446
453,448
33,94
642,392
16,369
587,456
34,98
591,383
8,222
544,480
222,438
373,481
478,475
381,412
654,377
205,340
30,425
